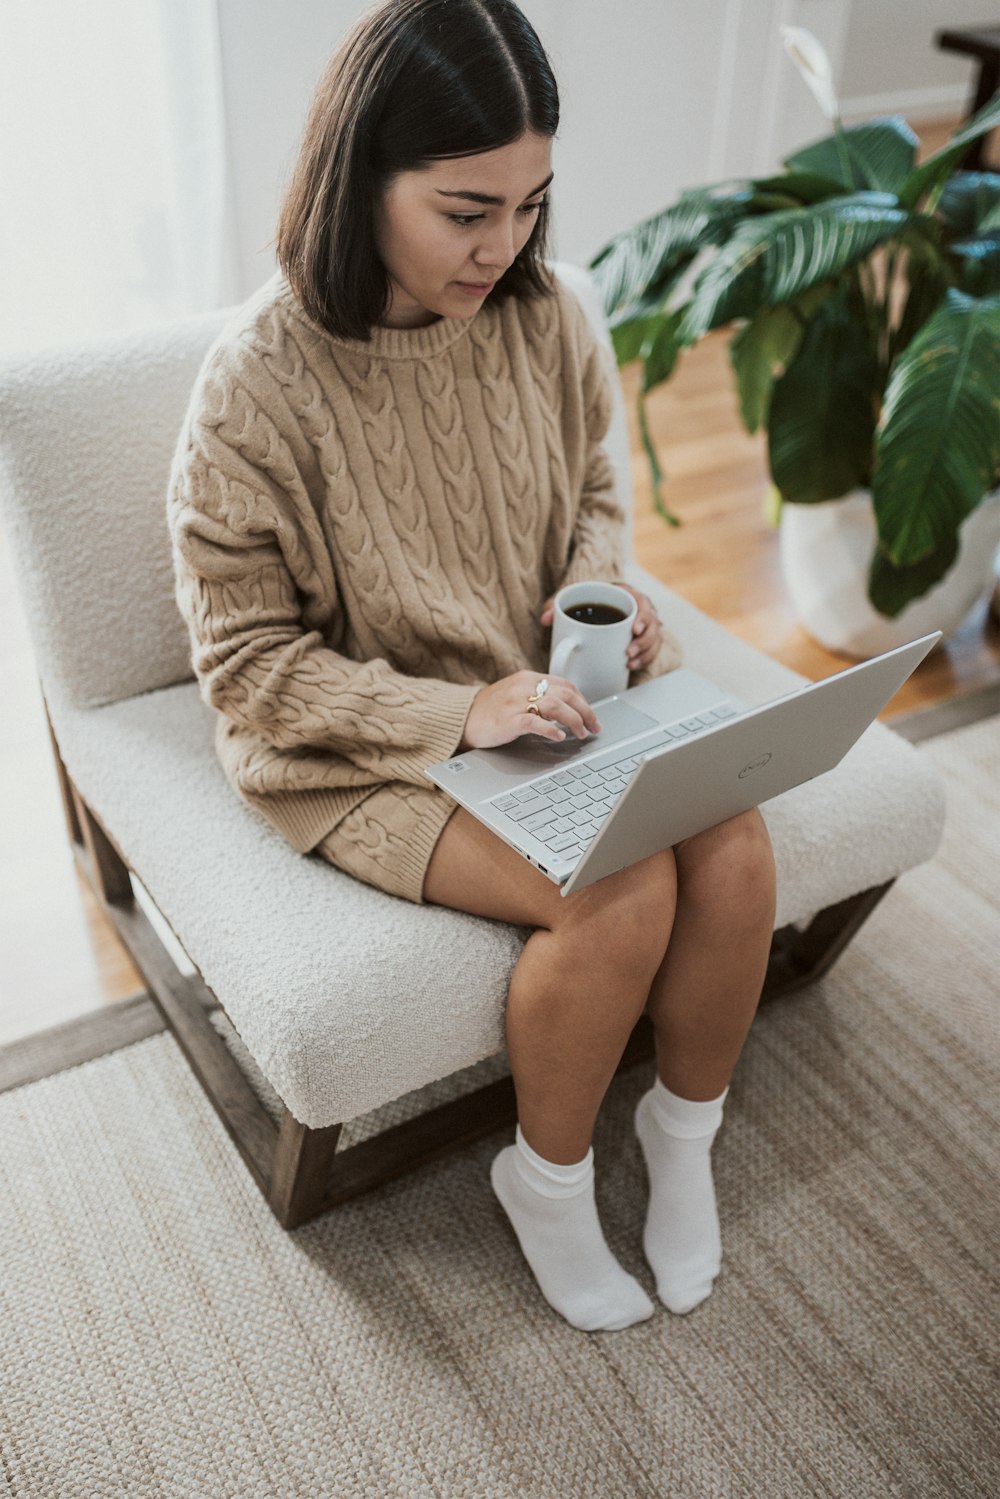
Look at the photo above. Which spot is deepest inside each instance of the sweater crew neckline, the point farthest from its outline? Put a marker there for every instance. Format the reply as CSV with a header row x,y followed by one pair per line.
x,y
389,343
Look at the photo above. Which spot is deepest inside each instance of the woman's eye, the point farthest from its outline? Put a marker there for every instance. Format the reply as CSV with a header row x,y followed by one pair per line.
x,y
465,219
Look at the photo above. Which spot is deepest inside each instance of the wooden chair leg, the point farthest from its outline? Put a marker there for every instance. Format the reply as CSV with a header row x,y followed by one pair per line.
x,y
301,1170
107,869
799,957
65,788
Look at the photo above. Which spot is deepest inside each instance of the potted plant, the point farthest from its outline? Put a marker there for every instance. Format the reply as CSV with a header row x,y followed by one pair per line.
x,y
865,294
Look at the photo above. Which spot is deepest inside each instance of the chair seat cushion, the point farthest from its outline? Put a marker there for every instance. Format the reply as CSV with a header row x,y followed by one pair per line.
x,y
346,997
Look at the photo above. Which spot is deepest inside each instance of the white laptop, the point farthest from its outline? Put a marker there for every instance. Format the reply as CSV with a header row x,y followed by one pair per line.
x,y
675,755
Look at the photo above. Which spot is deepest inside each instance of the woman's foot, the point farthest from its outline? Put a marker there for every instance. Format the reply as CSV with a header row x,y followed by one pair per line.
x,y
681,1239
553,1212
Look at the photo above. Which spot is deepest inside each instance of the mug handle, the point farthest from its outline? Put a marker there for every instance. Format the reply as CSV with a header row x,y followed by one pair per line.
x,y
561,655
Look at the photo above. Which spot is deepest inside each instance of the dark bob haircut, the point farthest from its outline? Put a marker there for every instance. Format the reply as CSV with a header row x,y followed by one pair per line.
x,y
413,81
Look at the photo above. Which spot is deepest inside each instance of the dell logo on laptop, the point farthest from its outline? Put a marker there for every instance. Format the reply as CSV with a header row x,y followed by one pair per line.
x,y
757,764
456,765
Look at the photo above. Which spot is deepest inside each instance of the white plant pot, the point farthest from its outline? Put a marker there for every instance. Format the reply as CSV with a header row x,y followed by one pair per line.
x,y
826,551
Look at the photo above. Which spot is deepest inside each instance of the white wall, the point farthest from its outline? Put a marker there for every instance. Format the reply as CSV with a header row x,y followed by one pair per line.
x,y
271,60
656,95
891,64
659,95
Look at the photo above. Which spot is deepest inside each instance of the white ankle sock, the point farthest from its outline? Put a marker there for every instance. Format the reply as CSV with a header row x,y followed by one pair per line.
x,y
681,1237
553,1212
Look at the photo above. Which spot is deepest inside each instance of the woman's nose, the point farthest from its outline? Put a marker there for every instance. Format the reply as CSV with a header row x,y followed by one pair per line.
x,y
498,249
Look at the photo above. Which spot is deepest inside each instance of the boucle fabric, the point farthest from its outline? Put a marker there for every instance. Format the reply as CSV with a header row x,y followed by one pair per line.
x,y
365,533
347,997
87,434
336,989
164,1338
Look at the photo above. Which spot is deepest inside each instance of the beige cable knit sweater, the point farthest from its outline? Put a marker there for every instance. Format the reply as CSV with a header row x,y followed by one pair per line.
x,y
364,535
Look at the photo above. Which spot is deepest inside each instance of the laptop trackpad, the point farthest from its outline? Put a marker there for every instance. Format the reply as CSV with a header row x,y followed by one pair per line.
x,y
530,755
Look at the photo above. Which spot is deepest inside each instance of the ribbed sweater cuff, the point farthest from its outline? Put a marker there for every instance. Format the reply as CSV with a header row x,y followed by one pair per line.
x,y
305,817
442,719
421,840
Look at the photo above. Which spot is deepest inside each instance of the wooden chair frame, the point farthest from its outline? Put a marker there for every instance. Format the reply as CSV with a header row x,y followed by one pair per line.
x,y
299,1170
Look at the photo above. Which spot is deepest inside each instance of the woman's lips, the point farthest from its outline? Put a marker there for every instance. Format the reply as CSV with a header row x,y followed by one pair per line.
x,y
480,288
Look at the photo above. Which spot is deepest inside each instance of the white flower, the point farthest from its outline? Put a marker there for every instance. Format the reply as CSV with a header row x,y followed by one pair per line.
x,y
810,58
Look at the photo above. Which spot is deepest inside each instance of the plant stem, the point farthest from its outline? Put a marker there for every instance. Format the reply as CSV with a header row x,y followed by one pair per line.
x,y
656,473
867,291
845,155
886,329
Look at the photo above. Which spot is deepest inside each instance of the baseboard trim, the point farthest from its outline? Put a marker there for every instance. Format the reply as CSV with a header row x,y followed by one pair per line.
x,y
942,718
943,101
82,1039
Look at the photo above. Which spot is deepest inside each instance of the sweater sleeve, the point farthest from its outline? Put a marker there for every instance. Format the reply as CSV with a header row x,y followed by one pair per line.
x,y
248,550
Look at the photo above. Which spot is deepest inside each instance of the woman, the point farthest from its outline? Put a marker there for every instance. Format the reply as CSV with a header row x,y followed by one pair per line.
x,y
391,462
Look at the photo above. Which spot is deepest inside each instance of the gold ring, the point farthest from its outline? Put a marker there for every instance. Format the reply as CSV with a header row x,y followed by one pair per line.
x,y
541,688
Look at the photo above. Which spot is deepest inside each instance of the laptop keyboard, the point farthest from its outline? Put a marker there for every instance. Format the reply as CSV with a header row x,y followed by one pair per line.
x,y
566,808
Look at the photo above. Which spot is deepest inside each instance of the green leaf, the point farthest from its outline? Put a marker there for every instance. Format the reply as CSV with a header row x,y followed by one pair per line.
x,y
806,187
937,167
927,289
891,588
636,267
660,352
969,199
880,155
769,340
981,257
653,340
822,417
770,260
938,443
630,335
762,348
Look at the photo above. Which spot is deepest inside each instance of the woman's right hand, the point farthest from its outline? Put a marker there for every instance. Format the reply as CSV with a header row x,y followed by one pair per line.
x,y
500,714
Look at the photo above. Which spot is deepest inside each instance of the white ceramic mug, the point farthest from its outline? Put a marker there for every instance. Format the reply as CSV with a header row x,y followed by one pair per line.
x,y
592,656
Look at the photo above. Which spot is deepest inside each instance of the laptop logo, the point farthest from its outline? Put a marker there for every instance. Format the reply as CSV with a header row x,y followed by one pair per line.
x,y
757,764
456,765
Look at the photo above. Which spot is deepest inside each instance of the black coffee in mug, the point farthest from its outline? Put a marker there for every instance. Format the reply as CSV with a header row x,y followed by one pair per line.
x,y
595,614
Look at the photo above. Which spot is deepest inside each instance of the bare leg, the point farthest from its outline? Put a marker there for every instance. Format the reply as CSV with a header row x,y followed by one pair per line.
x,y
577,989
582,979
705,993
702,1002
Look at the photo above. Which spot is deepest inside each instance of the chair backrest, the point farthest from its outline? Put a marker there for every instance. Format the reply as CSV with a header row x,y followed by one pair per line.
x,y
87,435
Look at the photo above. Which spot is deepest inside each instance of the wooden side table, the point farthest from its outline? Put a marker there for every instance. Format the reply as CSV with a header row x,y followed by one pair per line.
x,y
982,42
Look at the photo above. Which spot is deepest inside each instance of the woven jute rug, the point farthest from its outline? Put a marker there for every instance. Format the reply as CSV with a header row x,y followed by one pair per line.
x,y
160,1335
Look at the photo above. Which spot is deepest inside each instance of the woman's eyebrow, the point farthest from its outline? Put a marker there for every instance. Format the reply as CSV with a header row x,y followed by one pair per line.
x,y
485,197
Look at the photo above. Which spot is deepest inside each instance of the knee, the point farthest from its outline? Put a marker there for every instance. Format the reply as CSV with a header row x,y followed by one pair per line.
x,y
627,918
734,859
748,843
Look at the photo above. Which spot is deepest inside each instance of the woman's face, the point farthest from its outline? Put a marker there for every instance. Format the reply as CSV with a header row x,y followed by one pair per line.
x,y
434,233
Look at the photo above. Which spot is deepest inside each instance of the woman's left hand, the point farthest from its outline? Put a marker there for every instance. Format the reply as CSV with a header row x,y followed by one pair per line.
x,y
647,632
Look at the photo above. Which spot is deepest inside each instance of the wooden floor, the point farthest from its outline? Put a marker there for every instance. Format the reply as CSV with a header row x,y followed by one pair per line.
x,y
58,956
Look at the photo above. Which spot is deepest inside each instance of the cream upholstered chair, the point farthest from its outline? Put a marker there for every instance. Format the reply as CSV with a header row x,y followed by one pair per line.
x,y
343,1035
